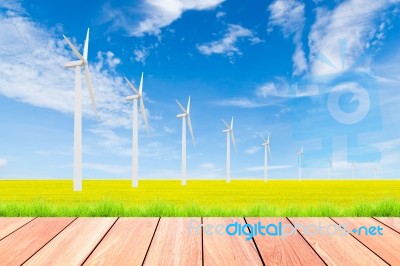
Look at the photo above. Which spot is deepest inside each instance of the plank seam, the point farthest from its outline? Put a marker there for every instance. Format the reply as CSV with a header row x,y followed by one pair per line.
x,y
151,241
361,242
202,242
49,241
255,244
385,224
18,228
287,218
109,229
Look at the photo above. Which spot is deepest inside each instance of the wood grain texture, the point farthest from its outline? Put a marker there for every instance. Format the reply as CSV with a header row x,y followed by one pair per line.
x,y
336,249
393,223
126,243
9,225
290,250
225,249
173,245
22,244
386,246
73,245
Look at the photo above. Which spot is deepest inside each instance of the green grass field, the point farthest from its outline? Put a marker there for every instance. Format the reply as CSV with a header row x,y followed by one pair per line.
x,y
201,198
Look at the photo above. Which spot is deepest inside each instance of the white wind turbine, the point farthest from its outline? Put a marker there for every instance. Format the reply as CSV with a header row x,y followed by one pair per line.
x,y
186,114
330,167
267,151
135,134
229,136
78,106
354,169
300,154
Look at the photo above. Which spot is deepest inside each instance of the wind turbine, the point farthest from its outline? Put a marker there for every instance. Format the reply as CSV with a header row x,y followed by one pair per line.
x,y
135,135
300,154
186,114
229,136
354,169
330,167
78,106
266,151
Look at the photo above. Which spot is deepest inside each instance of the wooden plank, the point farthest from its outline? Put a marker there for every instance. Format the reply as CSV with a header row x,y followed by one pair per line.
x,y
386,246
393,223
223,249
336,249
22,244
73,245
287,250
173,245
126,243
9,225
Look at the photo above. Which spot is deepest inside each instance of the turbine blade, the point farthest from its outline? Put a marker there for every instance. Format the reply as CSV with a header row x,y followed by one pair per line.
x,y
131,85
301,150
144,115
74,49
86,47
190,128
268,137
188,106
232,123
141,85
226,124
89,85
233,140
180,105
269,150
263,138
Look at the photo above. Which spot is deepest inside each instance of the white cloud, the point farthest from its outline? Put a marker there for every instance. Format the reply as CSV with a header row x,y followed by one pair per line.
x,y
240,102
353,21
227,45
252,150
207,166
108,168
288,15
3,162
141,55
157,14
220,14
269,89
33,57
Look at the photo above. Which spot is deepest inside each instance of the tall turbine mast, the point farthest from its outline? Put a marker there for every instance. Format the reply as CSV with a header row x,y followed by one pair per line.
x,y
229,137
267,151
78,105
300,157
138,96
185,115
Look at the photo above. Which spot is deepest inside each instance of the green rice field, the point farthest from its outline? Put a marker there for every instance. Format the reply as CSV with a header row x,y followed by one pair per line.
x,y
201,198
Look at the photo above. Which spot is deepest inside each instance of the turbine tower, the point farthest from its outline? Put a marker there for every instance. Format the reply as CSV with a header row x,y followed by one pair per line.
x,y
184,115
78,106
135,134
354,169
300,157
330,167
229,136
267,151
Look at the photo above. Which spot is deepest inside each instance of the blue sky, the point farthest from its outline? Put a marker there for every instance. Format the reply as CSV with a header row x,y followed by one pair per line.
x,y
276,66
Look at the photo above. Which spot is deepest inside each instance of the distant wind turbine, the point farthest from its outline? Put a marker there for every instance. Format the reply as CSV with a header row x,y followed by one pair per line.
x,y
229,136
267,151
300,157
330,167
354,169
135,133
186,114
78,106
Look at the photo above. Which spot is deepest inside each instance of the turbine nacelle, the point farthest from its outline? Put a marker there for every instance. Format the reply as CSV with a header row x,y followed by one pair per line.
x,y
229,131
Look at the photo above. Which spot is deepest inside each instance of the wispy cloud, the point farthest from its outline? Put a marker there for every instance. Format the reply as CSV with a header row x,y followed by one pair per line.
x,y
360,25
227,45
109,168
289,16
153,15
3,162
252,150
141,55
241,102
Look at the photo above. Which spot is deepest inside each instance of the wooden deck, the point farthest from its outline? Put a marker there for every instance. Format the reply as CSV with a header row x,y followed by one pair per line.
x,y
168,241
